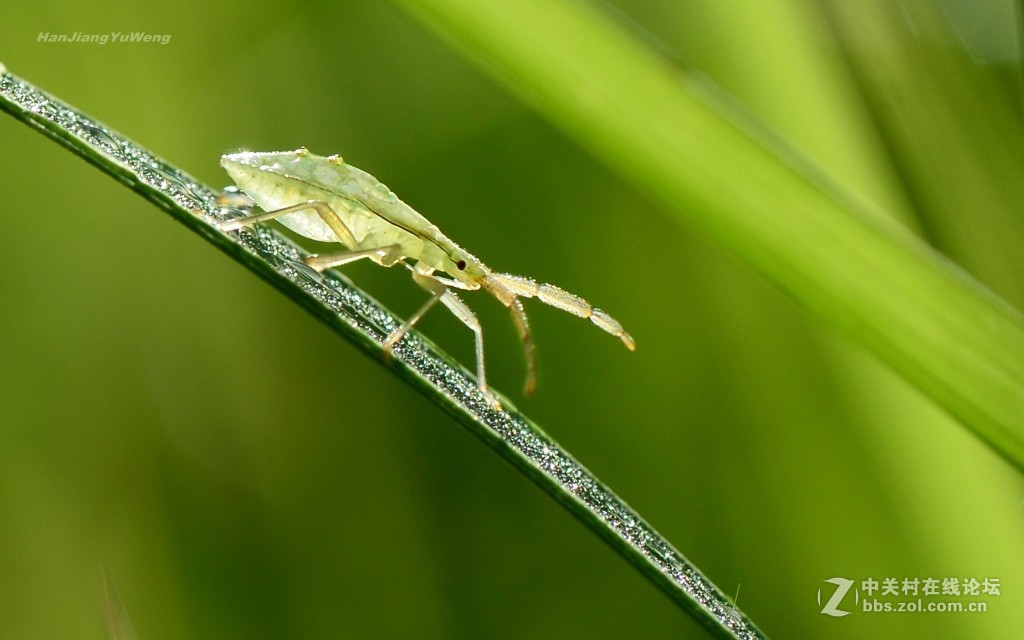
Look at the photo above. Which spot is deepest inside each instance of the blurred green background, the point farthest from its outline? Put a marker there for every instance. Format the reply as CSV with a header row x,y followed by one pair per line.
x,y
244,473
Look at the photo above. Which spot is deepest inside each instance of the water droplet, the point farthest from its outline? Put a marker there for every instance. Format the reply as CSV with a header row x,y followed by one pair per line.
x,y
102,136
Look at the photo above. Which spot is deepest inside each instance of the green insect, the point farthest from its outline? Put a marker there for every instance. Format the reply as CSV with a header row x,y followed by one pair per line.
x,y
324,199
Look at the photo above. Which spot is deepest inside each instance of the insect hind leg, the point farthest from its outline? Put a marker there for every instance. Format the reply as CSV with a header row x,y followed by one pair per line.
x,y
386,256
324,210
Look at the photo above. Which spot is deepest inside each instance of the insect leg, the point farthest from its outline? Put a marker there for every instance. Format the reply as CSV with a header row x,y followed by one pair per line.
x,y
431,285
425,279
388,255
468,318
324,210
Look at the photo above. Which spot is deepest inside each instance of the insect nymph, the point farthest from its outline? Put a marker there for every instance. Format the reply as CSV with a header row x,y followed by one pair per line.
x,y
324,199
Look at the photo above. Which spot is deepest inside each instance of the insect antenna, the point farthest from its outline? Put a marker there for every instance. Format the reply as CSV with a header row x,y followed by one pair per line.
x,y
559,298
526,337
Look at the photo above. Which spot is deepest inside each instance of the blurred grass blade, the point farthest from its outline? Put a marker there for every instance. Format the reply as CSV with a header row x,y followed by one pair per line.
x,y
926,96
833,252
357,317
119,624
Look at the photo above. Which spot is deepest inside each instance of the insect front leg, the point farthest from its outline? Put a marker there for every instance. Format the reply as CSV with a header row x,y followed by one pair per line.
x,y
426,279
468,318
430,284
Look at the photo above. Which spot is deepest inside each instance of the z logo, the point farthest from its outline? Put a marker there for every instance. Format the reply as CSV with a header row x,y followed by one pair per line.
x,y
831,607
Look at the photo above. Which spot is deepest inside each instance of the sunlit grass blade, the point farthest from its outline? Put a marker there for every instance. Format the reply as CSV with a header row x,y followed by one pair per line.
x,y
716,171
364,322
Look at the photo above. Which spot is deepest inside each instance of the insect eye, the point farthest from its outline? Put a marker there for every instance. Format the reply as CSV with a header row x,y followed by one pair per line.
x,y
461,264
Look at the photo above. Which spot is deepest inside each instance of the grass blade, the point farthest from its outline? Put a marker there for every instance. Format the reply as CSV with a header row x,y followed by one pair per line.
x,y
363,321
722,174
